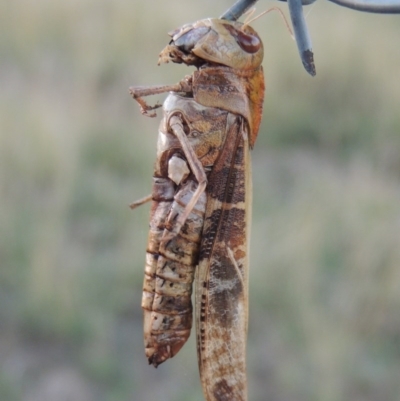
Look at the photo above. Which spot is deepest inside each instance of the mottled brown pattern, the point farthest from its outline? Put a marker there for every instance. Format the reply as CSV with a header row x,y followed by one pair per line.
x,y
221,221
233,225
212,86
169,273
170,260
221,278
222,391
172,304
215,116
233,191
225,302
209,234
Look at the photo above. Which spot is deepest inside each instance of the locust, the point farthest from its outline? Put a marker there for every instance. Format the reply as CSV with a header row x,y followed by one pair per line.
x,y
201,202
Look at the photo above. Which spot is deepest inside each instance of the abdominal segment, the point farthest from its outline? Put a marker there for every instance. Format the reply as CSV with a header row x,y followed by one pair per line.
x,y
169,271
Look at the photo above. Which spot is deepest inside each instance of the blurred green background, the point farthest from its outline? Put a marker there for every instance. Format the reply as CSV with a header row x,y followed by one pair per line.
x,y
75,151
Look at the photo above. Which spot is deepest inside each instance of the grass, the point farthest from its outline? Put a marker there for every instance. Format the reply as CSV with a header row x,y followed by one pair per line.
x,y
75,151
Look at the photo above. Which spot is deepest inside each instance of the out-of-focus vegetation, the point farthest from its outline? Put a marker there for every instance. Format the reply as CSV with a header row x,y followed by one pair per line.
x,y
75,151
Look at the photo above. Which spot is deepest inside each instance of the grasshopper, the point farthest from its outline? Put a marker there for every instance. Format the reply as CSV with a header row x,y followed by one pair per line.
x,y
201,202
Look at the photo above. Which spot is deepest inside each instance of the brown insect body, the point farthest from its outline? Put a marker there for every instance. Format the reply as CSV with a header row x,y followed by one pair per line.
x,y
171,260
201,204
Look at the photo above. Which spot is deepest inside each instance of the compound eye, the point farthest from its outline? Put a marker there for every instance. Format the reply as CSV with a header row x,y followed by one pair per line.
x,y
249,43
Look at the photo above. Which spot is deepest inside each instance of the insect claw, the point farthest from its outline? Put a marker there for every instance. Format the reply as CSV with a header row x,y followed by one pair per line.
x,y
147,114
144,106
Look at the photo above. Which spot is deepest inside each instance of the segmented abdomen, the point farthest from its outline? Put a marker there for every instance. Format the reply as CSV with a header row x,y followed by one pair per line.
x,y
169,270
